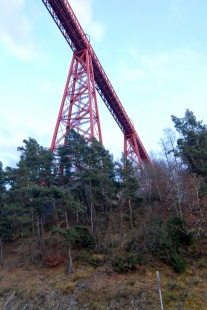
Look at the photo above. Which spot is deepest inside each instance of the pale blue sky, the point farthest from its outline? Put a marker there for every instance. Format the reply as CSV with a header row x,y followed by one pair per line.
x,y
153,51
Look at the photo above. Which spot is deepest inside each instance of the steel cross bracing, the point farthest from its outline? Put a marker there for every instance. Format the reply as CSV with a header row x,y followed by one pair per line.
x,y
64,17
79,107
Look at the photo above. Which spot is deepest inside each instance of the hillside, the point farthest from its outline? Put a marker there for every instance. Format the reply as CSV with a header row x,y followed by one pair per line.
x,y
79,230
33,285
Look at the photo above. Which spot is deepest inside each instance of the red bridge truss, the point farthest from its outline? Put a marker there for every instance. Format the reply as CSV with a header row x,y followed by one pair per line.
x,y
79,109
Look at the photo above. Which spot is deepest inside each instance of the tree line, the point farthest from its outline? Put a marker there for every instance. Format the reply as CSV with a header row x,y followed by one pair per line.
x,y
74,197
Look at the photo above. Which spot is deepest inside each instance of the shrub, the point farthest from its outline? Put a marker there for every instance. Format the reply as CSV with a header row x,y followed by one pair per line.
x,y
119,265
95,260
82,256
130,245
131,261
163,250
178,263
54,260
179,232
86,238
125,263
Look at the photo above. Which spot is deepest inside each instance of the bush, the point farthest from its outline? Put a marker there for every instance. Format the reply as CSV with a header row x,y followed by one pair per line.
x,y
125,263
131,260
179,232
54,259
119,265
86,238
82,256
178,263
130,245
163,250
95,260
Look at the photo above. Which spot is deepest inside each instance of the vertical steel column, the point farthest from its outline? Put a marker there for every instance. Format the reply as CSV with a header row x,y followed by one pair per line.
x,y
79,107
131,149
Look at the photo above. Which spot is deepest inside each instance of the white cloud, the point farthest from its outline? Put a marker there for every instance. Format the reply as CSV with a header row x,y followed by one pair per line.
x,y
16,30
84,13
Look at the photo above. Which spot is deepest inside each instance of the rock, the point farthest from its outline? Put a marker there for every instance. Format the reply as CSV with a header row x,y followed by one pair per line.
x,y
9,300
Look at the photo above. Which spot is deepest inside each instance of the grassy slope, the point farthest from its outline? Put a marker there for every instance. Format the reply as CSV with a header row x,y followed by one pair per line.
x,y
42,287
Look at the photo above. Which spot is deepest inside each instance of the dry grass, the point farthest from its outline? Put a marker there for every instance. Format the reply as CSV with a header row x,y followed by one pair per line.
x,y
186,291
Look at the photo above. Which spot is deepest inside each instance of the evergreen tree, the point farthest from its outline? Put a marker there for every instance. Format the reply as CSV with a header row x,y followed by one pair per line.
x,y
3,216
36,166
192,145
89,169
128,184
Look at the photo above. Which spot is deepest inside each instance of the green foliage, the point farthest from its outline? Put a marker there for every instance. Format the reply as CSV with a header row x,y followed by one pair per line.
x,y
164,240
203,263
91,187
82,256
4,227
169,242
128,181
2,181
69,235
178,263
108,245
36,166
163,250
125,263
86,238
119,264
192,145
95,260
5,224
128,184
203,188
132,260
178,232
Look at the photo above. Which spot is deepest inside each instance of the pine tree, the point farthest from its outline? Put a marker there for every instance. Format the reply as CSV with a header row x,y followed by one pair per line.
x,y
88,170
128,184
192,146
3,217
36,166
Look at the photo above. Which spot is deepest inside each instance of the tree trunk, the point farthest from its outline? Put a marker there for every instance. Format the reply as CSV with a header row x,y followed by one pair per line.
x,y
43,238
32,247
70,262
93,217
38,230
1,252
121,219
155,174
92,226
22,232
32,252
56,216
130,214
199,206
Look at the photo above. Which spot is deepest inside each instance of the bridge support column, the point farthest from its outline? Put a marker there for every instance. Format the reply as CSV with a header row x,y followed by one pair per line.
x,y
79,107
131,149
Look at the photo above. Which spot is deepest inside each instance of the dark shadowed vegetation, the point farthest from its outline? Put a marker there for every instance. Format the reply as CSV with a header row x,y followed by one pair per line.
x,y
79,206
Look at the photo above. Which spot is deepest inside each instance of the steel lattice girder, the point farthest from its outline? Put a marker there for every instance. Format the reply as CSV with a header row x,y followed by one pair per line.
x,y
71,29
131,149
79,108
